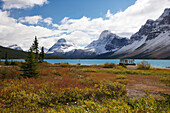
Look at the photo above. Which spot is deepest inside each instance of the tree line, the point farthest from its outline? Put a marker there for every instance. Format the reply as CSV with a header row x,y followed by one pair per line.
x,y
29,67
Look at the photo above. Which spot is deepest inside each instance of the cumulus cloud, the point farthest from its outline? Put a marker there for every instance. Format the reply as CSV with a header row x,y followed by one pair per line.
x,y
80,31
48,20
18,4
23,35
30,19
123,23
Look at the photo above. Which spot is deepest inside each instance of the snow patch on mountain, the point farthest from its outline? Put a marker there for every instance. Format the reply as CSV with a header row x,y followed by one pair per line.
x,y
131,47
107,42
166,13
62,46
15,46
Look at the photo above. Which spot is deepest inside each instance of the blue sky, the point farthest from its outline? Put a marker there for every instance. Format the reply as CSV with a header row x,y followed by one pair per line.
x,y
78,21
58,9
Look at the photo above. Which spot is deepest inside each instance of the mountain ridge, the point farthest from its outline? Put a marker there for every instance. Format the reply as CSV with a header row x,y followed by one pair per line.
x,y
151,41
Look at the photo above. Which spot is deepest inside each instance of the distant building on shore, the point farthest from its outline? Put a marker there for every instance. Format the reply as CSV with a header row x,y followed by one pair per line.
x,y
127,62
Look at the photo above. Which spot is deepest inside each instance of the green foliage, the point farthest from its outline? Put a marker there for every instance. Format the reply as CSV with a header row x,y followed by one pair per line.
x,y
6,59
4,73
165,79
42,55
109,65
29,67
122,79
89,70
144,65
131,72
57,73
13,63
0,55
35,48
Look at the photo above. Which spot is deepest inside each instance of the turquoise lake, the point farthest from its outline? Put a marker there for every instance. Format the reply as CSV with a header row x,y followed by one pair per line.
x,y
154,63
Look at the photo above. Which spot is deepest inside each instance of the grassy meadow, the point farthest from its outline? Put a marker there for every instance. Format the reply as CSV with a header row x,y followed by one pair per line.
x,y
82,88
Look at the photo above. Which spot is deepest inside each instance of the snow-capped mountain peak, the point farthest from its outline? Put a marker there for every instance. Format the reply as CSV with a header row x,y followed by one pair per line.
x,y
62,46
164,15
107,42
15,46
105,34
61,41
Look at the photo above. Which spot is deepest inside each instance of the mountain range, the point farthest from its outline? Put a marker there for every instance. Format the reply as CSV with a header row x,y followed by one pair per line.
x,y
152,41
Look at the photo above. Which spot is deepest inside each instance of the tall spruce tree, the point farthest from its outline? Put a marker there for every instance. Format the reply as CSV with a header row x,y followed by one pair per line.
x,y
35,48
6,59
29,67
0,55
42,55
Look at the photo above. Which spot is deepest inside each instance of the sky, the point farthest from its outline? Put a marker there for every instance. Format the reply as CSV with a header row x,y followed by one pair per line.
x,y
78,21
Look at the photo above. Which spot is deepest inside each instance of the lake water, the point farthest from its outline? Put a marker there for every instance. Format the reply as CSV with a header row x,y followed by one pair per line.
x,y
154,63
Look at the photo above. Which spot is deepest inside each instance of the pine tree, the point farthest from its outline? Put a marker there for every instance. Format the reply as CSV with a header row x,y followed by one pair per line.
x,y
42,55
35,47
29,67
6,59
0,55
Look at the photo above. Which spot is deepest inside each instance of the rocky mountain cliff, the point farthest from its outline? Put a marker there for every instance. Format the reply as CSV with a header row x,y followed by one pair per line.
x,y
151,41
107,42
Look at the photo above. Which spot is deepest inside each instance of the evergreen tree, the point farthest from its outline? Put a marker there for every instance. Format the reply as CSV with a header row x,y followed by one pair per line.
x,y
29,67
0,55
6,59
35,48
42,55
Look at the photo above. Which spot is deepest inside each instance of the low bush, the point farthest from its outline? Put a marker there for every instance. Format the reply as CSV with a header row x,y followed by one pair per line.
x,y
165,79
13,63
109,65
144,65
121,77
57,73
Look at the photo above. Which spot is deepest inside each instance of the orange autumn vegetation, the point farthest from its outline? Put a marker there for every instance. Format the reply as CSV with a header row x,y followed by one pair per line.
x,y
79,88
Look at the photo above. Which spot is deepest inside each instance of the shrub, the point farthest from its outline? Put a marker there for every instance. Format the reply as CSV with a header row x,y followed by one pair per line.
x,y
14,63
121,77
57,73
112,90
144,65
164,79
123,81
109,65
123,65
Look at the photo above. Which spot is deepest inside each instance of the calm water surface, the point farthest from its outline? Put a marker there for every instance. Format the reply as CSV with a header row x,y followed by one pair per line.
x,y
154,63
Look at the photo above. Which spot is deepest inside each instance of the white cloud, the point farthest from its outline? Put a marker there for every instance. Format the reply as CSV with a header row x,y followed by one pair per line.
x,y
64,20
123,23
30,19
55,25
80,31
48,20
18,4
17,33
108,14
